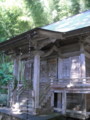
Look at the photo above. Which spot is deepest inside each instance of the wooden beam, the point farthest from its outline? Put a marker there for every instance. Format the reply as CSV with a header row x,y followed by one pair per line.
x,y
70,54
50,34
45,43
39,38
54,48
77,32
19,38
87,54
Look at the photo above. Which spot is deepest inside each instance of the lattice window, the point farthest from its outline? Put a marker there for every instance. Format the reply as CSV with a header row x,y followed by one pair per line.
x,y
71,67
66,68
43,71
75,67
52,67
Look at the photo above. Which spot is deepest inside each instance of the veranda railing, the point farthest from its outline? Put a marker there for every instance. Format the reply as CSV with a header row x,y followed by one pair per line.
x,y
70,80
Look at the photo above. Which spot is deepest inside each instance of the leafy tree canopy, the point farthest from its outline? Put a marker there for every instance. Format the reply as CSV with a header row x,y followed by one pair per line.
x,y
19,16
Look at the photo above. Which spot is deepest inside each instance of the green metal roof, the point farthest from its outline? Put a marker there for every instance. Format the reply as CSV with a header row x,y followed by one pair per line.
x,y
72,23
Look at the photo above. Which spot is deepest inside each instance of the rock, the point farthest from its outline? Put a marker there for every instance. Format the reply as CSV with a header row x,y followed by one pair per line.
x,y
0,117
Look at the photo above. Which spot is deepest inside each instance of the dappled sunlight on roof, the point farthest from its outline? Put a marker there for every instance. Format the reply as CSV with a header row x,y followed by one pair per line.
x,y
72,23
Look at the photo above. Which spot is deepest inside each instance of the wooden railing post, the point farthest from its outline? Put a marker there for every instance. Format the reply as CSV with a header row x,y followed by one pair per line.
x,y
33,100
64,102
83,64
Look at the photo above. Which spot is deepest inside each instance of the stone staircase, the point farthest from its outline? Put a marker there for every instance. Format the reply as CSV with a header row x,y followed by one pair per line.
x,y
25,101
22,99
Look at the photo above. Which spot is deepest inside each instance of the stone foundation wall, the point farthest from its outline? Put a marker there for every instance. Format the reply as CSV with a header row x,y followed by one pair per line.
x,y
4,116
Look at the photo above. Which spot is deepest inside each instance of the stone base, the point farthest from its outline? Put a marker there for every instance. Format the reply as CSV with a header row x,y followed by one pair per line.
x,y
6,114
8,117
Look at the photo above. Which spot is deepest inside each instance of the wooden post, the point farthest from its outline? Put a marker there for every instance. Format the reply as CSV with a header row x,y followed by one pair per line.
x,y
59,102
15,69
52,99
63,102
22,71
16,74
19,76
84,104
19,70
60,68
83,65
36,78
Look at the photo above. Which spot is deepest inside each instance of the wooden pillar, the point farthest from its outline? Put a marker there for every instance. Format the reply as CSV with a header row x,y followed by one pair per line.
x,y
60,68
84,104
15,69
19,70
18,76
59,102
52,99
36,78
82,61
22,72
64,102
83,66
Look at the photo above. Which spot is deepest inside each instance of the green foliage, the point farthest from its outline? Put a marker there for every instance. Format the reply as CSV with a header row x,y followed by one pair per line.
x,y
5,70
3,91
3,99
87,4
56,8
75,6
18,17
38,14
14,19
5,73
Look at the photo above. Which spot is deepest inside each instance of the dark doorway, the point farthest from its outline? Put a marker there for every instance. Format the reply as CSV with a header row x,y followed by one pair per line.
x,y
55,99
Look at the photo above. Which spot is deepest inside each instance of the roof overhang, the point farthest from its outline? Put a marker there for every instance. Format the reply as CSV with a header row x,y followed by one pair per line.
x,y
23,38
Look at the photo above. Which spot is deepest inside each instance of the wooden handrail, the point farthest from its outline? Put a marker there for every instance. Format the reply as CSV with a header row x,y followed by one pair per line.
x,y
20,90
44,93
71,80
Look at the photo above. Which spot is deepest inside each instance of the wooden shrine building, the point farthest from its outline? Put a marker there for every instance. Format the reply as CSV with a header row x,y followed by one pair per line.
x,y
52,68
